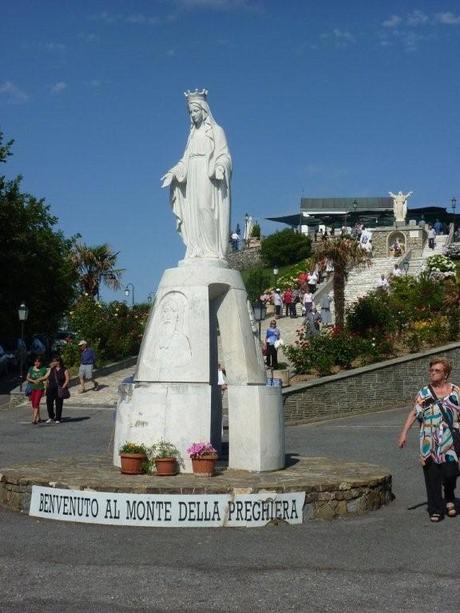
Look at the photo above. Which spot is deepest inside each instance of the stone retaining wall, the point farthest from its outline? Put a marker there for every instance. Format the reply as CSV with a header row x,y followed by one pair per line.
x,y
385,385
245,258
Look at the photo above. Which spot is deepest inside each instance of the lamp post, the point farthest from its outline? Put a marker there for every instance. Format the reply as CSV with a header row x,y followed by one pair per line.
x,y
23,314
454,206
355,206
130,291
150,297
275,273
260,311
405,266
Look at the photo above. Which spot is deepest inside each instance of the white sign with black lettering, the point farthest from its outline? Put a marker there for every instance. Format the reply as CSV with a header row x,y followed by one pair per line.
x,y
169,510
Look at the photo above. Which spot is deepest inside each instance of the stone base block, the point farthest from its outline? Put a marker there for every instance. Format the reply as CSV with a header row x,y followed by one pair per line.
x,y
176,412
256,428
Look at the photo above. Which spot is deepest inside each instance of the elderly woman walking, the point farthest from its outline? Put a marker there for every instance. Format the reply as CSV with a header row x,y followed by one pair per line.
x,y
437,408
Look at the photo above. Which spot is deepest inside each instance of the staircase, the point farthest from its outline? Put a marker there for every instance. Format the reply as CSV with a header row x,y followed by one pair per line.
x,y
416,265
361,280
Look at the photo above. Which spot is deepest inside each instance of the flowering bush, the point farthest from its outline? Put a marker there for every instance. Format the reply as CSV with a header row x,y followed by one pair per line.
x,y
440,263
198,450
324,352
113,329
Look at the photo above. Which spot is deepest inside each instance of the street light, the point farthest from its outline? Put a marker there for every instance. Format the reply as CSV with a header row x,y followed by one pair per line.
x,y
151,297
23,314
260,311
454,206
355,206
128,291
405,266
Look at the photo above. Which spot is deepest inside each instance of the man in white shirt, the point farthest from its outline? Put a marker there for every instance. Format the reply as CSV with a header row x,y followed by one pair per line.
x,y
382,283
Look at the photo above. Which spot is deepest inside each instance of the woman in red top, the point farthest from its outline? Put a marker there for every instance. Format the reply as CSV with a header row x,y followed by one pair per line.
x,y
287,300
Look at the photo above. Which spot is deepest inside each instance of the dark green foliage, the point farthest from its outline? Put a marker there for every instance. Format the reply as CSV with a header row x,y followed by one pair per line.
x,y
255,231
35,262
323,352
113,330
372,316
285,247
256,281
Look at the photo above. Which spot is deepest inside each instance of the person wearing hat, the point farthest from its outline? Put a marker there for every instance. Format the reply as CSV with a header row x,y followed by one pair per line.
x,y
87,360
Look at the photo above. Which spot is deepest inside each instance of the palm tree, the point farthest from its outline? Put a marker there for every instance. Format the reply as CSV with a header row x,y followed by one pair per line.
x,y
96,265
344,253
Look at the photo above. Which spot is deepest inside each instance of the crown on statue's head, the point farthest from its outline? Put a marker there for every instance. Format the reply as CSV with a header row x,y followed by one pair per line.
x,y
196,96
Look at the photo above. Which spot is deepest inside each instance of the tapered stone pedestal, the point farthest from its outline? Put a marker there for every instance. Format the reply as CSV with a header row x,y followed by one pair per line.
x,y
175,394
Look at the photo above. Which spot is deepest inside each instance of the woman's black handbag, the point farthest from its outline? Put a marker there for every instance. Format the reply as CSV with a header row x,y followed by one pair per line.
x,y
63,393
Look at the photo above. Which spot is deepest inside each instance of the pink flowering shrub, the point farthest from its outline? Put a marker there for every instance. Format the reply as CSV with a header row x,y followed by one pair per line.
x,y
198,450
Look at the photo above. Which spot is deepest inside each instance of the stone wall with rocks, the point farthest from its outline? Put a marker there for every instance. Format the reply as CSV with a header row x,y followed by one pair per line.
x,y
384,385
245,258
411,237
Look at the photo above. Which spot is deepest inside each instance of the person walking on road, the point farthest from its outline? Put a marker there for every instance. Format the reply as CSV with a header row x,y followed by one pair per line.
x,y
57,390
272,337
36,376
87,361
437,408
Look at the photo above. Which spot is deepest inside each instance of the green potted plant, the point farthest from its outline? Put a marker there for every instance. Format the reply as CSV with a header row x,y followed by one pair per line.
x,y
166,457
132,456
204,458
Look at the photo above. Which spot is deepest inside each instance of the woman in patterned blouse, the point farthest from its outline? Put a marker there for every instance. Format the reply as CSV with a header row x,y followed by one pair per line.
x,y
437,453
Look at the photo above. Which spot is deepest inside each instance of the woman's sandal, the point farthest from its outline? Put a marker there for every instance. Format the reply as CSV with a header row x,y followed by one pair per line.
x,y
451,510
435,518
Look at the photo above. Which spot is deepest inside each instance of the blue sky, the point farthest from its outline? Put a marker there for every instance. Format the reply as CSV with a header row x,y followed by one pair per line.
x,y
333,98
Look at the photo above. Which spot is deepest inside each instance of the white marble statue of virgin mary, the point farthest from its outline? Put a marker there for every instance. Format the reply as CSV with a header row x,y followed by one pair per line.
x,y
200,184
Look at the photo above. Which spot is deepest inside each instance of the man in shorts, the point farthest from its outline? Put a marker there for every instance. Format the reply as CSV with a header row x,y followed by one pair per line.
x,y
87,360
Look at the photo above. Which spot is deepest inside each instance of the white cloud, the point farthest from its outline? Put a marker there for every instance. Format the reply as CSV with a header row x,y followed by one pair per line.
x,y
51,46
417,18
58,87
131,18
94,83
88,37
341,38
12,92
214,4
448,18
392,22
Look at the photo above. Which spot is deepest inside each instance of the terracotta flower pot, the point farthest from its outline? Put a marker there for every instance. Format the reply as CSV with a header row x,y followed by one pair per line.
x,y
131,463
204,466
166,467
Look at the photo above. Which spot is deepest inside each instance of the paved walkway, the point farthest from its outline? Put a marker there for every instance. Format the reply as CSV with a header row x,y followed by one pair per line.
x,y
105,397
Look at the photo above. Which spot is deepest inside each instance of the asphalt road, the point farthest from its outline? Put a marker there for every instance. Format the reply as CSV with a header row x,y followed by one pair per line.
x,y
390,560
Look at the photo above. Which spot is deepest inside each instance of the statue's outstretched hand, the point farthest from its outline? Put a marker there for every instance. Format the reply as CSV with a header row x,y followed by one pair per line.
x,y
220,173
167,179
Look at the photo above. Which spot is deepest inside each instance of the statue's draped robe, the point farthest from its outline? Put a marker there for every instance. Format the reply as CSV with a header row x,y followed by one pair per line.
x,y
201,203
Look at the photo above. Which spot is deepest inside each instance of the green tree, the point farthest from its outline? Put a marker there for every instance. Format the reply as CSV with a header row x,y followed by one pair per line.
x,y
96,265
256,280
344,253
285,247
35,260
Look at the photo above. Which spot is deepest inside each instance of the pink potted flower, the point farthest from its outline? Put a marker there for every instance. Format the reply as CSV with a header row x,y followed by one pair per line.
x,y
204,458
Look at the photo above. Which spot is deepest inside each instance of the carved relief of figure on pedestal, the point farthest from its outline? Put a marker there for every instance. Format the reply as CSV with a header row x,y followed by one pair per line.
x,y
400,205
171,348
200,184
